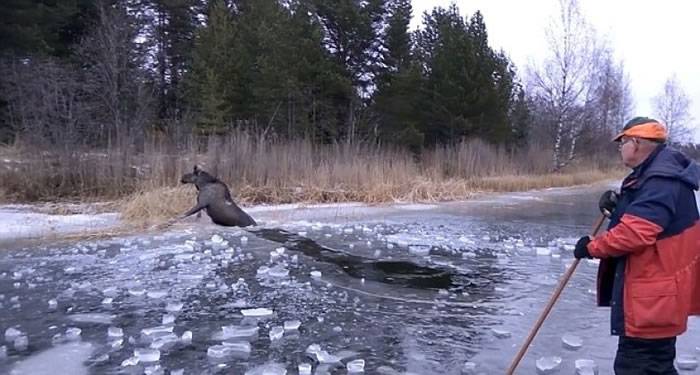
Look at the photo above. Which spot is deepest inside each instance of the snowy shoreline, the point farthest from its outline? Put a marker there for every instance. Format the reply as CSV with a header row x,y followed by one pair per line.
x,y
27,222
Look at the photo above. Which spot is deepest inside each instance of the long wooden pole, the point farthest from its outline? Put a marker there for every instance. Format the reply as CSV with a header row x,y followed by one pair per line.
x,y
562,283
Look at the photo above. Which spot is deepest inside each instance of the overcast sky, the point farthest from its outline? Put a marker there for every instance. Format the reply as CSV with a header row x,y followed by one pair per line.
x,y
655,39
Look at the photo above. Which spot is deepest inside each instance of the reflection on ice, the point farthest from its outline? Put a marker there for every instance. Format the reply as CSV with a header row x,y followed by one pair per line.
x,y
62,359
268,369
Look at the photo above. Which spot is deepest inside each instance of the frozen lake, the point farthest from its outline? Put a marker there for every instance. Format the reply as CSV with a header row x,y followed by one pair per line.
x,y
424,289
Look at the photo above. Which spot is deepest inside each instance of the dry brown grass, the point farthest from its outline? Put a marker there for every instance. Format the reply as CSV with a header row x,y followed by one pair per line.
x,y
148,207
160,204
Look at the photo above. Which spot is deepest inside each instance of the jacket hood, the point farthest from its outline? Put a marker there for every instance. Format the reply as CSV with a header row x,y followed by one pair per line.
x,y
667,162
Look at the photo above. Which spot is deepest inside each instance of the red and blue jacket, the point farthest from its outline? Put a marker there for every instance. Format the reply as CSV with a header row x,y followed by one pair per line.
x,y
649,272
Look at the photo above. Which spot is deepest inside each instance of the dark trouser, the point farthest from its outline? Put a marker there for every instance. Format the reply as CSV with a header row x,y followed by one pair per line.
x,y
637,356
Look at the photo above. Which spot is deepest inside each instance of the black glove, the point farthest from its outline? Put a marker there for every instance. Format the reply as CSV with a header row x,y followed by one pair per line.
x,y
581,249
608,202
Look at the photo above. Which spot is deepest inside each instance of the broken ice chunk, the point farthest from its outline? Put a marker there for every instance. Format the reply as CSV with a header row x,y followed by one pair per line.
x,y
73,334
156,294
548,365
278,271
420,250
304,369
586,367
117,343
276,333
687,362
259,312
238,332
312,349
469,368
327,358
173,307
186,337
147,355
238,348
356,366
53,304
131,361
168,319
315,274
152,333
115,332
544,251
500,333
21,343
11,334
165,340
137,292
291,325
112,291
153,370
571,342
95,318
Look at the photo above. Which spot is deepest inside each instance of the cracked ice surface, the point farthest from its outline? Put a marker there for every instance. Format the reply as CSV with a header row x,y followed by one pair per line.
x,y
179,296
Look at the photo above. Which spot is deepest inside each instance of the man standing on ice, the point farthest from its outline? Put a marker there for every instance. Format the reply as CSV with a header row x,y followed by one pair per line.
x,y
649,272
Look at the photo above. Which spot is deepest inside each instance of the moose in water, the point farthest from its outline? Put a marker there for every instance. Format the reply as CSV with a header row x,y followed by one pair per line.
x,y
214,196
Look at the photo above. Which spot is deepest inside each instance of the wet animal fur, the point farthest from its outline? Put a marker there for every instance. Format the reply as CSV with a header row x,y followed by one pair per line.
x,y
215,197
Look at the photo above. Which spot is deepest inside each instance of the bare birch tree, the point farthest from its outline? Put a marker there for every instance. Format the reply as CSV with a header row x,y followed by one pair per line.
x,y
672,106
563,82
610,103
